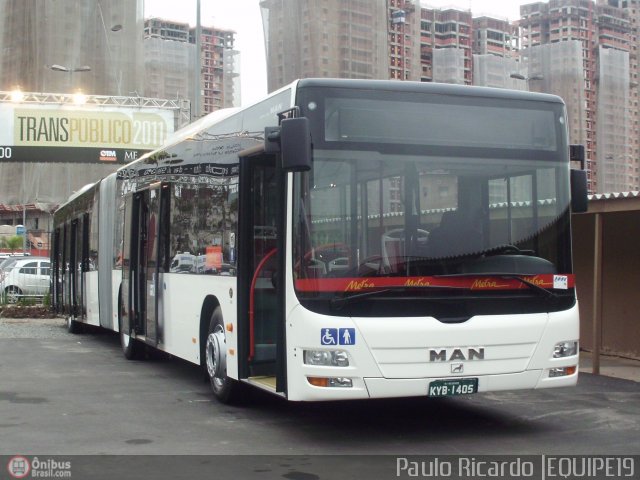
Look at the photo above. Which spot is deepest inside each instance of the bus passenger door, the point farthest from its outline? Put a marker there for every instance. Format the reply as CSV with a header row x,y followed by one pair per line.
x,y
140,293
83,266
149,261
258,262
133,286
71,268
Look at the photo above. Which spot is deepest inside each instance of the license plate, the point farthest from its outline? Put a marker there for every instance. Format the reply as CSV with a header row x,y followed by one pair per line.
x,y
447,388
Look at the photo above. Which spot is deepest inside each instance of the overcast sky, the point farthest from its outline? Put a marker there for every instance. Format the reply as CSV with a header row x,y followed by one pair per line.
x,y
244,17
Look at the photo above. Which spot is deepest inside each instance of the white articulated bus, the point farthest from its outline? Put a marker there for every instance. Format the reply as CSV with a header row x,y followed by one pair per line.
x,y
341,239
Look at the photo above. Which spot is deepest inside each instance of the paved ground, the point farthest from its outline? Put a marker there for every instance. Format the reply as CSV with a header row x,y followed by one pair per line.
x,y
76,394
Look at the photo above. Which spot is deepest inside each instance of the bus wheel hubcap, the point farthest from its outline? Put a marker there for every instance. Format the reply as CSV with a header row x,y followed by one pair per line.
x,y
216,354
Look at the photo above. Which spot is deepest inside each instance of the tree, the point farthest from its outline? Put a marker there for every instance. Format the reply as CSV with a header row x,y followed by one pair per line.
x,y
14,243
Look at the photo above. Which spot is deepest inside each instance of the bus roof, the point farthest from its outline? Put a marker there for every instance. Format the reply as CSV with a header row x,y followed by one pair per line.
x,y
428,87
202,126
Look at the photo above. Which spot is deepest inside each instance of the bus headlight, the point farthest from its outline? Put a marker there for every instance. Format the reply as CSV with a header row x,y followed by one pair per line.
x,y
565,349
326,358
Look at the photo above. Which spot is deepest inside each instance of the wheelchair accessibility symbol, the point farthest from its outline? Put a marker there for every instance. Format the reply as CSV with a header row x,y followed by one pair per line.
x,y
335,336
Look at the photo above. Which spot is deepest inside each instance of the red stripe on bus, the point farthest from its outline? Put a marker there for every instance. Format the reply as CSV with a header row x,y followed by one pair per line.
x,y
467,282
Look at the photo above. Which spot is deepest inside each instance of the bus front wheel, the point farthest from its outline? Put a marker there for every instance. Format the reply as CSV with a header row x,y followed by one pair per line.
x,y
224,388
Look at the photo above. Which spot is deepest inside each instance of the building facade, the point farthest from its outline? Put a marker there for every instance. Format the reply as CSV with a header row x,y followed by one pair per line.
x,y
90,45
326,38
404,37
378,39
580,50
446,45
219,69
170,60
632,9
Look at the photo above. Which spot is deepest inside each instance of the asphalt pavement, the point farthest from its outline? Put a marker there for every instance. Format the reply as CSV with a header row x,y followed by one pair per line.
x,y
63,394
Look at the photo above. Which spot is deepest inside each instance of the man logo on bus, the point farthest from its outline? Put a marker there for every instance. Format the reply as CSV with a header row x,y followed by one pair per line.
x,y
451,354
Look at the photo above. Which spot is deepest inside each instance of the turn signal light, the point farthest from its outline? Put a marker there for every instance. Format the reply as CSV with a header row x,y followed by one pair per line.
x,y
318,382
562,371
339,382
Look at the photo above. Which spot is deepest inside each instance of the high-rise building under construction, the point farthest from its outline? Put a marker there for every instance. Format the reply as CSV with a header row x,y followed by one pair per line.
x,y
63,46
580,50
169,60
328,38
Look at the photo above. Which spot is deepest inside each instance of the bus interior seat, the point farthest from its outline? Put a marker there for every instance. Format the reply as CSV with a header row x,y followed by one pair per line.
x,y
454,236
393,248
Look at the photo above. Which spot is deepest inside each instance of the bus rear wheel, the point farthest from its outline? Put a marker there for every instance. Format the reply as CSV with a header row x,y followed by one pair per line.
x,y
73,326
224,388
130,347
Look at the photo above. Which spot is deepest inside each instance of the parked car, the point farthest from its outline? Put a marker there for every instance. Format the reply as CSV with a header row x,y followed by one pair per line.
x,y
26,276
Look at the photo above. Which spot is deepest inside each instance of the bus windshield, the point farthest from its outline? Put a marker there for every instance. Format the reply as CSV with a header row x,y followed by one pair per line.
x,y
411,189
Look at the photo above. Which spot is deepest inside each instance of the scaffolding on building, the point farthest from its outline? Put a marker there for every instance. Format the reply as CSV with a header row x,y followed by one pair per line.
x,y
557,68
614,149
62,46
336,38
448,65
168,66
493,71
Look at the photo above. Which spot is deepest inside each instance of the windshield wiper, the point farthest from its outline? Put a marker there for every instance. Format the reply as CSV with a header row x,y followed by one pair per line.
x,y
544,291
338,301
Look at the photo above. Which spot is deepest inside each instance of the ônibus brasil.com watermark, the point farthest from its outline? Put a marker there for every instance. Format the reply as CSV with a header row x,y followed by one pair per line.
x,y
537,467
23,467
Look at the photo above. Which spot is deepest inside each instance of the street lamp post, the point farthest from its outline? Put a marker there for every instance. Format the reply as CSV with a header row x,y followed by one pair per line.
x,y
69,70
114,28
61,68
198,73
519,76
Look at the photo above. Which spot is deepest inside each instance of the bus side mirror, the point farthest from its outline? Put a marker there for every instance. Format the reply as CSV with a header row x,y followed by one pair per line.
x,y
293,140
579,192
576,154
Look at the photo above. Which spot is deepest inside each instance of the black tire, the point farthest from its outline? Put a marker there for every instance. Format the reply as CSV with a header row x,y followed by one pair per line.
x,y
131,349
13,294
224,388
73,326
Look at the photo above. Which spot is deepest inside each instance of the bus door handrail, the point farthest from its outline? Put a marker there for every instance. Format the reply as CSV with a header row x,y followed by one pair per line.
x,y
252,344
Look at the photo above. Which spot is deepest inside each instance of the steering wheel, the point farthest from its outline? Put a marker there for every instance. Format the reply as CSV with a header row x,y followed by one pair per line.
x,y
373,265
505,248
